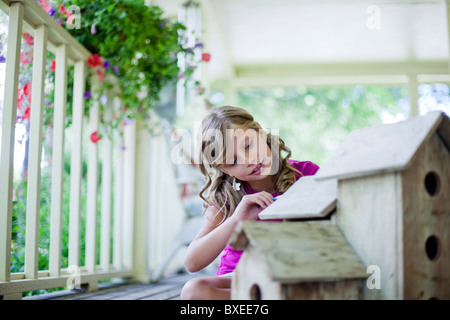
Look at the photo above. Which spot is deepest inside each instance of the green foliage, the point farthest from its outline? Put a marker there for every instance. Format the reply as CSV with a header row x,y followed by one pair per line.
x,y
138,40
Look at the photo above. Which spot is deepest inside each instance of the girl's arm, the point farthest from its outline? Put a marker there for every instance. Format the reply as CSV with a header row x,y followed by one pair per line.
x,y
209,241
214,234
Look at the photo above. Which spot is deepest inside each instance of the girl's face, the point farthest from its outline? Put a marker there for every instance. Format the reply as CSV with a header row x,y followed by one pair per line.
x,y
248,157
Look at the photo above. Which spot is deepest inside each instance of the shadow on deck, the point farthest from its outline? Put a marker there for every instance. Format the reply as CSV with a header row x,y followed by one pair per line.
x,y
166,289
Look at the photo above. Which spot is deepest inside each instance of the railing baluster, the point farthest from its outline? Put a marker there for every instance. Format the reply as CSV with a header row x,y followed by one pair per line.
x,y
160,202
118,200
8,131
92,183
76,163
153,203
141,237
105,242
35,152
59,123
128,193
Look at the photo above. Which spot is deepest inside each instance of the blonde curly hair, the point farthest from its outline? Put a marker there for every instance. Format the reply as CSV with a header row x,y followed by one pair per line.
x,y
219,186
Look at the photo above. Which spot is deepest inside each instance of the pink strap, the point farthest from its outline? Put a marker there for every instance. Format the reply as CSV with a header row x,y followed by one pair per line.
x,y
212,204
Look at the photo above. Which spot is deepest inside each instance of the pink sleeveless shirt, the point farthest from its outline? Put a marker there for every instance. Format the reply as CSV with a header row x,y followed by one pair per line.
x,y
229,256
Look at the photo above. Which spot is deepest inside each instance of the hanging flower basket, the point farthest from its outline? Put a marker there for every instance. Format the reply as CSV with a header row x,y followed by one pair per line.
x,y
134,42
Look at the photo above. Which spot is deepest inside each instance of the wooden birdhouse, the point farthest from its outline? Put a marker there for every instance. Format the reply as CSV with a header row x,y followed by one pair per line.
x,y
394,204
295,260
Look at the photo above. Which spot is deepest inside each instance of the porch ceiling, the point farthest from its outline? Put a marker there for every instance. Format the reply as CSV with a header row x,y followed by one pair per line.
x,y
244,35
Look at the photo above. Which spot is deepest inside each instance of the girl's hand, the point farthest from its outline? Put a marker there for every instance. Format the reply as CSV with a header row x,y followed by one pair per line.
x,y
251,205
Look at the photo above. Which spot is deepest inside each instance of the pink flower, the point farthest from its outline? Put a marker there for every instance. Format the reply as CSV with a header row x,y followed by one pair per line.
x,y
93,29
24,59
28,39
94,61
95,137
45,5
19,99
26,114
27,89
53,68
101,75
206,57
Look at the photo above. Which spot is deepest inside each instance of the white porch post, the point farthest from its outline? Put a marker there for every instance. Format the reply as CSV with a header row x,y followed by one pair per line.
x,y
118,202
35,152
8,131
92,181
105,225
59,124
141,238
76,163
128,203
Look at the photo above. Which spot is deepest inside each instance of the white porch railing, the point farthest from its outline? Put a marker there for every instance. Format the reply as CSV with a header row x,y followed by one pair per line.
x,y
144,210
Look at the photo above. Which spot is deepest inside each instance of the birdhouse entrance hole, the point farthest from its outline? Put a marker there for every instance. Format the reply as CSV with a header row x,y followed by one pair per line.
x,y
255,292
432,247
432,183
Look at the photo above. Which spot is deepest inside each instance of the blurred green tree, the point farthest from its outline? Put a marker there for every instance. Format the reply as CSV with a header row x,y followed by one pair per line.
x,y
313,121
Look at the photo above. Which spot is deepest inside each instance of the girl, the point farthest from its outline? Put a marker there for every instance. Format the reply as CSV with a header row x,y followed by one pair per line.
x,y
243,170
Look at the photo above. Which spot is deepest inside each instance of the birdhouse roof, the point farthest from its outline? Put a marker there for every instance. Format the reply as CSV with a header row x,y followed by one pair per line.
x,y
300,251
384,148
306,198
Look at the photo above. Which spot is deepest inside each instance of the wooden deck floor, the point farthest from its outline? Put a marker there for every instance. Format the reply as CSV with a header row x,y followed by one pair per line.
x,y
166,289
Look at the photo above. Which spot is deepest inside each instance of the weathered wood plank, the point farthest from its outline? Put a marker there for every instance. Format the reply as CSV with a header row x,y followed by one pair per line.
x,y
109,290
166,295
147,291
299,251
167,288
367,215
306,198
334,290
